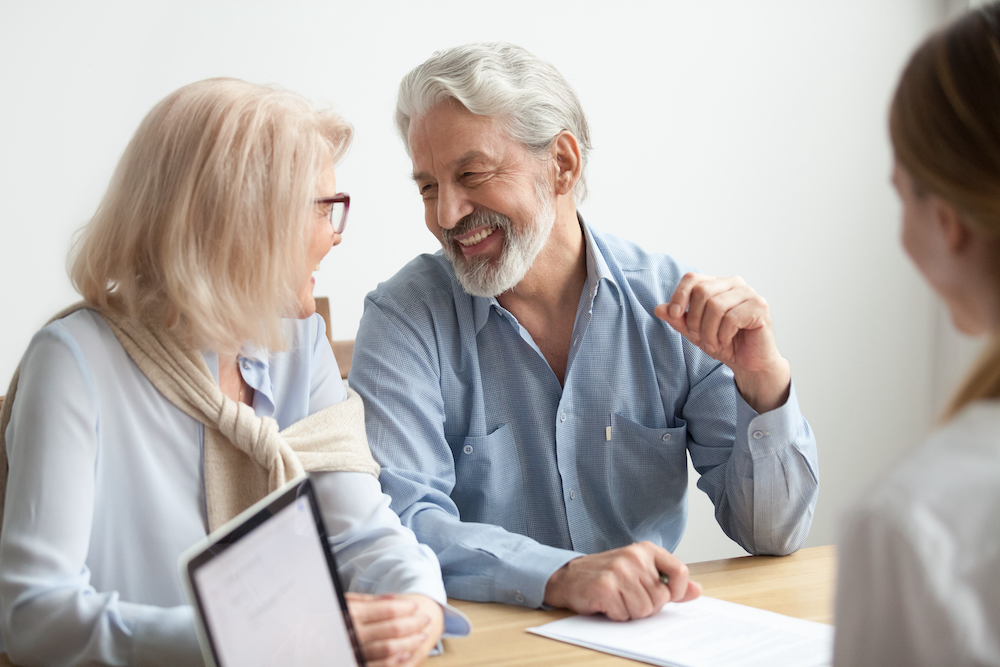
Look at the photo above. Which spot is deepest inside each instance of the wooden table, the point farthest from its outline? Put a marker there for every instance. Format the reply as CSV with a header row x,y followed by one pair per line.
x,y
799,585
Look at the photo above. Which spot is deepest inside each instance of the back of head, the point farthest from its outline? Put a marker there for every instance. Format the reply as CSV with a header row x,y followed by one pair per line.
x,y
944,123
500,80
945,116
204,227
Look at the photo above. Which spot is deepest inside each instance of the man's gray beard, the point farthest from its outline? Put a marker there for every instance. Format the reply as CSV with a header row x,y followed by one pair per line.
x,y
481,277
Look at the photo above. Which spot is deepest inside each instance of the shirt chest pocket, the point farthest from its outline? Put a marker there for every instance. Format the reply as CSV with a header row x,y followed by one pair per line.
x,y
642,453
485,473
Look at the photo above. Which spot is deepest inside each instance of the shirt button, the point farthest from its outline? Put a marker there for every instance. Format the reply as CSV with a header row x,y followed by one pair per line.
x,y
467,449
246,365
562,417
572,494
665,437
758,434
519,597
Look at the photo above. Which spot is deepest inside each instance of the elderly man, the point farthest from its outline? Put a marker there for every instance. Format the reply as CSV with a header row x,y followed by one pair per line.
x,y
533,392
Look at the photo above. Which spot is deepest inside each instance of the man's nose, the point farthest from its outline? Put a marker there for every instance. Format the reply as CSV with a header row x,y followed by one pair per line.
x,y
452,205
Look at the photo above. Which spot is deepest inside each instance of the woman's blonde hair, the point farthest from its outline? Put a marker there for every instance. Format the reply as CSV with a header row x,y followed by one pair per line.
x,y
944,123
205,225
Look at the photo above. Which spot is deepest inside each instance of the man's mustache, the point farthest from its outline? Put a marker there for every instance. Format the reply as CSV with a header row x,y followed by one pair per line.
x,y
476,219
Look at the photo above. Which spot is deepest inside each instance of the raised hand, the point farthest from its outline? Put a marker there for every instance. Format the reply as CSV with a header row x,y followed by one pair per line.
x,y
732,323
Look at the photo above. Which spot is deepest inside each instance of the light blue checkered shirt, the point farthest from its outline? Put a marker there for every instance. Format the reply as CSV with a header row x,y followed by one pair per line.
x,y
507,475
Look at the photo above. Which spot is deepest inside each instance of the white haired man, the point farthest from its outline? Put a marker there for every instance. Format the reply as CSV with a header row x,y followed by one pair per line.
x,y
533,392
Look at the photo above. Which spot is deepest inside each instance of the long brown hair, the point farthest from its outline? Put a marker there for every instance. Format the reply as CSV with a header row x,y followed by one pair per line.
x,y
944,123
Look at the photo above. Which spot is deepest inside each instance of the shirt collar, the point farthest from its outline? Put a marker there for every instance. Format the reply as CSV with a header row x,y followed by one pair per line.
x,y
597,266
253,353
597,270
255,368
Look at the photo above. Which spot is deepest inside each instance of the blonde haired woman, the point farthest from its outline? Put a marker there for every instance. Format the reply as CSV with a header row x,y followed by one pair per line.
x,y
919,579
150,415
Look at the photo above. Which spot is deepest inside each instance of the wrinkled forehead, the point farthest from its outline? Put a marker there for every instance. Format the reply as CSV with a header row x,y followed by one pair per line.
x,y
448,133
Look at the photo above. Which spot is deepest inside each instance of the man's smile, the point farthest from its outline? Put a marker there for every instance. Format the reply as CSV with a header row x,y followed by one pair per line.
x,y
476,236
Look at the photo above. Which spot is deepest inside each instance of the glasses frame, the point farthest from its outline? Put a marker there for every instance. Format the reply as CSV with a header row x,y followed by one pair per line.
x,y
339,198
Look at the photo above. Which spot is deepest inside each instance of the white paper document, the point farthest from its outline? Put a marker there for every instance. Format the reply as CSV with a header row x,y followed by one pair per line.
x,y
706,632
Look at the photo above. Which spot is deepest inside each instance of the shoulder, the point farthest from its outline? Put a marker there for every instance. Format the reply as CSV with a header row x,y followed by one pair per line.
x,y
917,558
642,270
424,297
935,493
426,278
71,362
82,334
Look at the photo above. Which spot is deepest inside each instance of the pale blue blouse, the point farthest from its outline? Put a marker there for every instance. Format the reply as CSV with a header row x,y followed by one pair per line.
x,y
106,490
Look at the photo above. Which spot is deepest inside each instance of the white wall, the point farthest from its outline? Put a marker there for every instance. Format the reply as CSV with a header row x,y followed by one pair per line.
x,y
742,137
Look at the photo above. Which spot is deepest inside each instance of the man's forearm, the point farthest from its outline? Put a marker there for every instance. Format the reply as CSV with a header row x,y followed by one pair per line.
x,y
486,563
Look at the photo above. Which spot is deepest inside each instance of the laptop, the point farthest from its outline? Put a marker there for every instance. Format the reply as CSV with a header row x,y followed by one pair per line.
x,y
265,588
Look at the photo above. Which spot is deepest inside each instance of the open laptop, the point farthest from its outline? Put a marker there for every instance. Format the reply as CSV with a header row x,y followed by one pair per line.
x,y
265,588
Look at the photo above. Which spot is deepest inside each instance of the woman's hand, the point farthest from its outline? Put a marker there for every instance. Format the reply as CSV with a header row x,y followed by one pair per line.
x,y
395,629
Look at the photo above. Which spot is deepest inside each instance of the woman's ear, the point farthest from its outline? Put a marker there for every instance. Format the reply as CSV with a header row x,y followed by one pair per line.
x,y
568,161
953,229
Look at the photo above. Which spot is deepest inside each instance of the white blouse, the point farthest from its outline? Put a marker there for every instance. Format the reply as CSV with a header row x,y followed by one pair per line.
x,y
919,558
106,490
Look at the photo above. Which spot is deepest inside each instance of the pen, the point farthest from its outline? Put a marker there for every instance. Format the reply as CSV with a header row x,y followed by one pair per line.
x,y
665,579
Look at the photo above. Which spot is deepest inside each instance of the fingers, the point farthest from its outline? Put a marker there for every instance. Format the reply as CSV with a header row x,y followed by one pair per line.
x,y
371,609
392,630
625,587
679,577
622,584
708,301
639,591
711,311
395,652
430,633
693,591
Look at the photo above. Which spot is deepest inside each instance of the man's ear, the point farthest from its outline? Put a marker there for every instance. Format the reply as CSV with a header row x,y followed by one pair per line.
x,y
953,230
569,164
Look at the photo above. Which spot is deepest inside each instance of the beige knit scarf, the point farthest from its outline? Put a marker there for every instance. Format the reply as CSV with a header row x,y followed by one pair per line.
x,y
246,457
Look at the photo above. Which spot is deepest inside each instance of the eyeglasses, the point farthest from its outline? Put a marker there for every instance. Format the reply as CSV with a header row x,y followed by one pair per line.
x,y
339,205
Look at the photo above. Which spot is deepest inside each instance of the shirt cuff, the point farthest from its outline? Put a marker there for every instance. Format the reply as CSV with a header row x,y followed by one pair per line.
x,y
522,577
456,624
767,434
165,637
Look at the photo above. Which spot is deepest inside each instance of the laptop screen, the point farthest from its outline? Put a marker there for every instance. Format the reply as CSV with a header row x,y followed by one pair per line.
x,y
267,592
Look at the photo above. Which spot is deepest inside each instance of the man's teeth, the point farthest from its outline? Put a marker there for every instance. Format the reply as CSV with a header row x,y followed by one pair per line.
x,y
476,238
316,268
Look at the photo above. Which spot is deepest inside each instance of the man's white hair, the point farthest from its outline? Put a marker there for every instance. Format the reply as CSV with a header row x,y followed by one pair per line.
x,y
530,98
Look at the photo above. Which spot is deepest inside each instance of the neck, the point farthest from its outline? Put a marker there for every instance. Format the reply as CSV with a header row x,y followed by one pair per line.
x,y
230,380
557,275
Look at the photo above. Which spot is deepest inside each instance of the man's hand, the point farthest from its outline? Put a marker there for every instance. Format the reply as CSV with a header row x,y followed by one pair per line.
x,y
397,630
622,584
732,323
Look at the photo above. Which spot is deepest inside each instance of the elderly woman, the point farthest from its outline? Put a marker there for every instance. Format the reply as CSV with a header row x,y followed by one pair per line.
x,y
919,580
149,414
